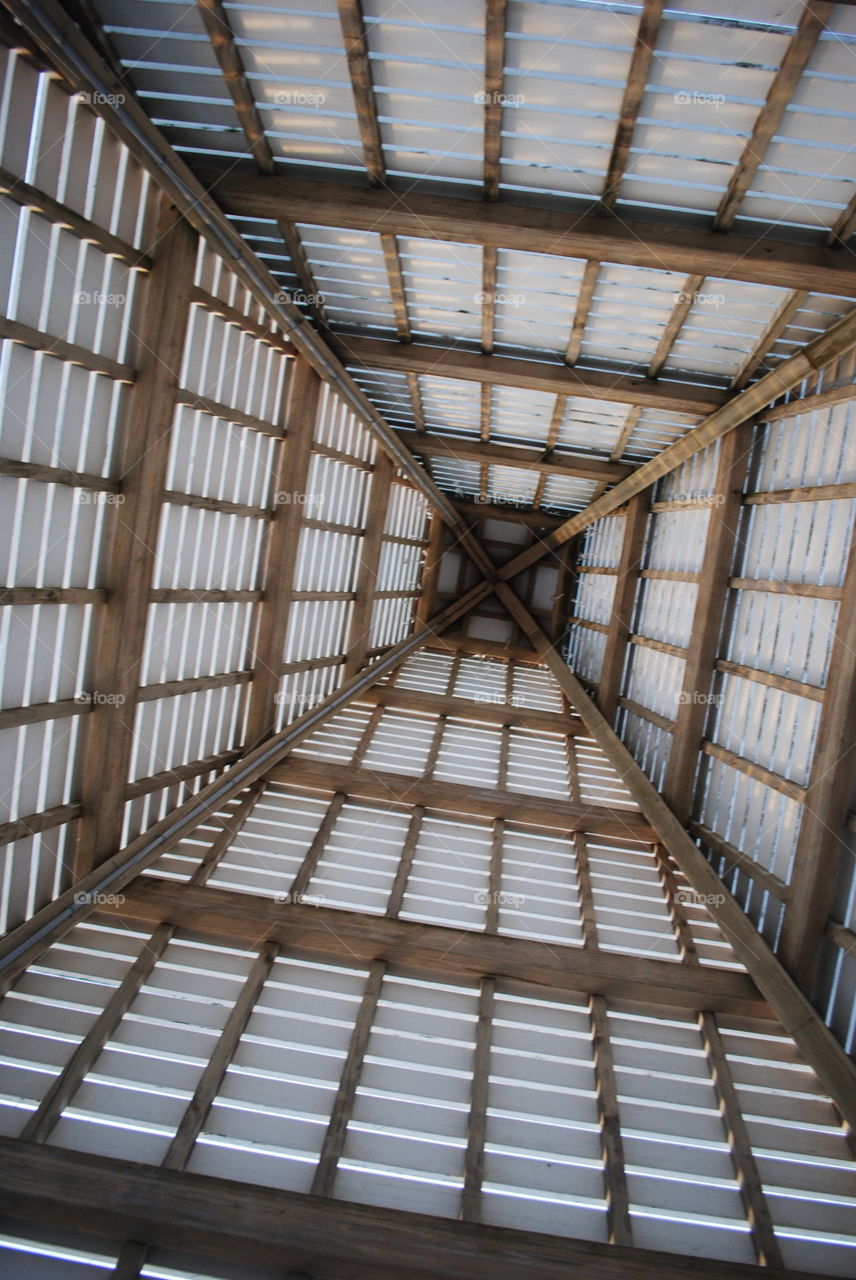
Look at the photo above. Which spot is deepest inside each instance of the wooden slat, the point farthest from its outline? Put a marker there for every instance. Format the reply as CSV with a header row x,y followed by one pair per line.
x,y
822,841
494,63
261,332
805,493
807,589
52,595
615,386
211,1080
680,311
42,712
751,1187
772,681
488,303
782,317
357,52
343,1103
181,773
34,823
37,340
584,301
471,1195
282,548
360,938
754,770
839,338
202,595
719,548
145,456
615,1178
405,862
646,713
57,475
359,633
634,89
659,646
835,1071
217,504
571,231
621,609
737,859
42,1122
503,713
795,61
258,1226
229,414
396,286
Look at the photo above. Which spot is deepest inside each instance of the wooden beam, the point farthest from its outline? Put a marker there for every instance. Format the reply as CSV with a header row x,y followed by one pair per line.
x,y
371,544
581,312
343,1103
217,24
619,1230
771,680
621,609
34,823
741,408
751,1187
364,938
430,568
458,449
782,317
397,291
471,1195
822,840
37,340
259,1226
615,386
357,53
541,520
717,559
752,769
453,797
634,89
282,547
835,1071
494,64
488,301
680,311
145,456
502,713
737,860
62,215
801,47
569,230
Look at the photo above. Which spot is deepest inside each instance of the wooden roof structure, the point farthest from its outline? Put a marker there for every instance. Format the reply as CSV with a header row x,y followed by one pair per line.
x,y
430,639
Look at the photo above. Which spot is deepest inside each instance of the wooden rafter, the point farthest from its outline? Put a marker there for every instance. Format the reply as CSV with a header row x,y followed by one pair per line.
x,y
623,600
680,311
145,457
438,949
357,53
572,231
530,375
778,324
369,561
259,1226
458,449
719,548
799,51
637,78
584,301
822,837
494,63
300,414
